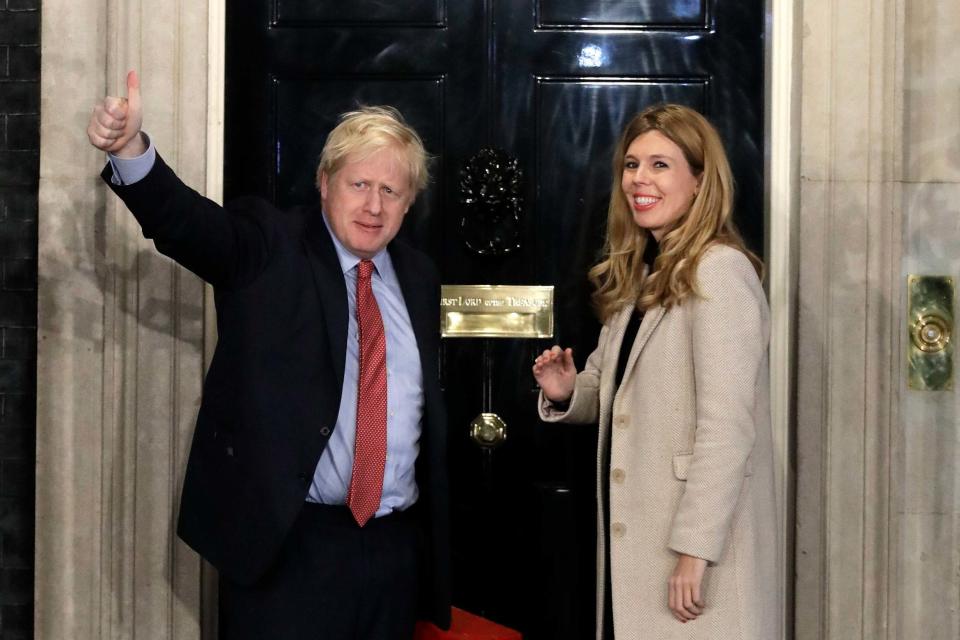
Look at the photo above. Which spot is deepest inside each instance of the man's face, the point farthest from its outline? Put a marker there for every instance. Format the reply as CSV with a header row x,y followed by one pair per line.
x,y
366,200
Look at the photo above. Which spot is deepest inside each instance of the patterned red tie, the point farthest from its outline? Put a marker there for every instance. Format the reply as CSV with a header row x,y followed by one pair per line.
x,y
370,448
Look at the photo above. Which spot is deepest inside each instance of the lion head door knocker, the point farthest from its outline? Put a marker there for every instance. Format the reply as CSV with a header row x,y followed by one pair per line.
x,y
491,194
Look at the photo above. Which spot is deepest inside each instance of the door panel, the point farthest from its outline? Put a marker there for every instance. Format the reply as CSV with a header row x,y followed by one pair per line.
x,y
574,114
621,13
358,12
302,105
551,83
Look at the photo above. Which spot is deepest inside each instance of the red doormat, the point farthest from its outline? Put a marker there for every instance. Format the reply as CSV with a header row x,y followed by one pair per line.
x,y
466,626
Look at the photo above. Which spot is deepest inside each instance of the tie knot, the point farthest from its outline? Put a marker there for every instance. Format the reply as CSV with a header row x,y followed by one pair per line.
x,y
365,269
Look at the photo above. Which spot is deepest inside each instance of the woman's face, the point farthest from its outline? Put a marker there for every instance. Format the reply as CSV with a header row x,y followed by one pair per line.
x,y
657,182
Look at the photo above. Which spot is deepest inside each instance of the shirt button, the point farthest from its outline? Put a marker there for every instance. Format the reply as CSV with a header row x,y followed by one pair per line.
x,y
618,475
325,431
618,529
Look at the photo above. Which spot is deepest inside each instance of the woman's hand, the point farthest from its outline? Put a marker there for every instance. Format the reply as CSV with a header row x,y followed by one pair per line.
x,y
555,373
684,596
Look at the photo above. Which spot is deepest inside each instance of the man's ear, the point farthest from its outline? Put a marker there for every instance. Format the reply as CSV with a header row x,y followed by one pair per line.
x,y
322,183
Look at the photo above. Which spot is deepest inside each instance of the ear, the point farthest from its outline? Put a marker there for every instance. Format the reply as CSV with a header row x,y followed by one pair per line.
x,y
411,200
323,184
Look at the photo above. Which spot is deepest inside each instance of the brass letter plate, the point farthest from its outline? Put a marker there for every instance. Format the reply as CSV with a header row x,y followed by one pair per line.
x,y
930,324
496,311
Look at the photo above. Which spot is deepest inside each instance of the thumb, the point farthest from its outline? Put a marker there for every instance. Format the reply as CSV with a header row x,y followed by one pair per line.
x,y
695,596
133,92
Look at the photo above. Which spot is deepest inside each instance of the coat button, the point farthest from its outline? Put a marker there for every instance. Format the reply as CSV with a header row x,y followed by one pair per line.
x,y
618,529
325,431
618,475
304,478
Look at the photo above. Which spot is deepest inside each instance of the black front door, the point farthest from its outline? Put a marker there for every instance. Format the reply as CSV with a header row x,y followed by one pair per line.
x,y
549,83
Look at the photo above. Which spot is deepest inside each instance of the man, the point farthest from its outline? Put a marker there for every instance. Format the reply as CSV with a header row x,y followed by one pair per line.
x,y
317,479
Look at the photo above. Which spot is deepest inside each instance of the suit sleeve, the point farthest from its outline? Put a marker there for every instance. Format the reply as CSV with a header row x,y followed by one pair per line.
x,y
584,405
225,248
729,340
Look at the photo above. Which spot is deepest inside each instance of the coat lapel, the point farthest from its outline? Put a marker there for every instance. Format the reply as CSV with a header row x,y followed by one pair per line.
x,y
328,276
651,318
611,354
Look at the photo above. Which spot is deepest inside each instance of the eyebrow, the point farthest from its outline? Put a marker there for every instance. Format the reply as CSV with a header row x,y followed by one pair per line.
x,y
655,156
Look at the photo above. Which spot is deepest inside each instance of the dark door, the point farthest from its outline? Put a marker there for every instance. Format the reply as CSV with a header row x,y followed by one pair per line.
x,y
550,83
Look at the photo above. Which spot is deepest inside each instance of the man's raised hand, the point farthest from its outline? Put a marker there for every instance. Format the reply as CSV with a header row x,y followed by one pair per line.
x,y
115,123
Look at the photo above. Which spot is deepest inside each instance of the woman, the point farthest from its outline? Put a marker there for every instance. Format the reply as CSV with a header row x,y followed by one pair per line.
x,y
678,384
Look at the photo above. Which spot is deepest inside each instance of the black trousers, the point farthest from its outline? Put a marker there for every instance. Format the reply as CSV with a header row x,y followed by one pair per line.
x,y
333,581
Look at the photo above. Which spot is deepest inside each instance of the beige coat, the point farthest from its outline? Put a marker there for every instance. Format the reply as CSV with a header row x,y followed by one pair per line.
x,y
691,462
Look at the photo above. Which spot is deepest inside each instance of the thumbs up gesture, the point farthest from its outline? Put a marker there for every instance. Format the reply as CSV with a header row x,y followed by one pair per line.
x,y
115,123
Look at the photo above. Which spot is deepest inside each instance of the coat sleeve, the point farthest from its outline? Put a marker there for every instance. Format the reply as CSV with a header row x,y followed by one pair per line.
x,y
584,405
729,339
227,248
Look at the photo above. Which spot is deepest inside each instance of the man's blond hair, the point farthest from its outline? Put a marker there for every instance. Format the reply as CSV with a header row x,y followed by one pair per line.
x,y
367,130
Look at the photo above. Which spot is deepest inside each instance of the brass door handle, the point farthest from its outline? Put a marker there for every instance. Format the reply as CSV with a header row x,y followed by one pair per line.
x,y
488,430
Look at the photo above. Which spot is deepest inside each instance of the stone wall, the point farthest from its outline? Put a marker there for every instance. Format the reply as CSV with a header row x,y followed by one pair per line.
x,y
19,173
120,333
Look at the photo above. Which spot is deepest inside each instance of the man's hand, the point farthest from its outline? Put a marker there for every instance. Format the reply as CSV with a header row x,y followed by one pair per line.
x,y
684,590
556,373
115,123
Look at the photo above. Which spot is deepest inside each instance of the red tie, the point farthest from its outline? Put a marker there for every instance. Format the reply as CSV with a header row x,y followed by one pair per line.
x,y
370,448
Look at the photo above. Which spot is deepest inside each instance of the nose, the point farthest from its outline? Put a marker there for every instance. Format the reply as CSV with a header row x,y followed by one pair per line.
x,y
374,202
639,176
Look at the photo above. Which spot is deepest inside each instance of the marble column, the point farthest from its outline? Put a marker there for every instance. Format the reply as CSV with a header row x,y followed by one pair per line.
x,y
925,518
120,331
851,134
877,528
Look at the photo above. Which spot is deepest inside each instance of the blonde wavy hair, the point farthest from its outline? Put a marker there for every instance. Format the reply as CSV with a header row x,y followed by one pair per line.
x,y
367,130
618,279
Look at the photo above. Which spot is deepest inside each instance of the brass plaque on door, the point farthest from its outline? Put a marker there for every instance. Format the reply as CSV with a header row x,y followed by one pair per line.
x,y
496,311
930,325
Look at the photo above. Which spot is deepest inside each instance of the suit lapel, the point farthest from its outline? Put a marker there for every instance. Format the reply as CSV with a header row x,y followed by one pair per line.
x,y
328,276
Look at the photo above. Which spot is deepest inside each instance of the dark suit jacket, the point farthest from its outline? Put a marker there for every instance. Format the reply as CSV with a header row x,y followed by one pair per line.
x,y
272,394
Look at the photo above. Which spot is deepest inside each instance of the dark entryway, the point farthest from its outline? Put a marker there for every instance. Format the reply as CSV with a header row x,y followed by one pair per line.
x,y
550,83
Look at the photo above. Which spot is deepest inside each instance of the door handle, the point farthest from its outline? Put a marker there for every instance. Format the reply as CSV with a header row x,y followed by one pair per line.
x,y
488,430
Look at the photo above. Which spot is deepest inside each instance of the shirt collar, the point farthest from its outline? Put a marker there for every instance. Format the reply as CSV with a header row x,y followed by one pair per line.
x,y
348,261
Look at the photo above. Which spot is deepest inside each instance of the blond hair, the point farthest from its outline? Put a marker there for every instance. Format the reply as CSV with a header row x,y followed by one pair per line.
x,y
619,279
368,130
